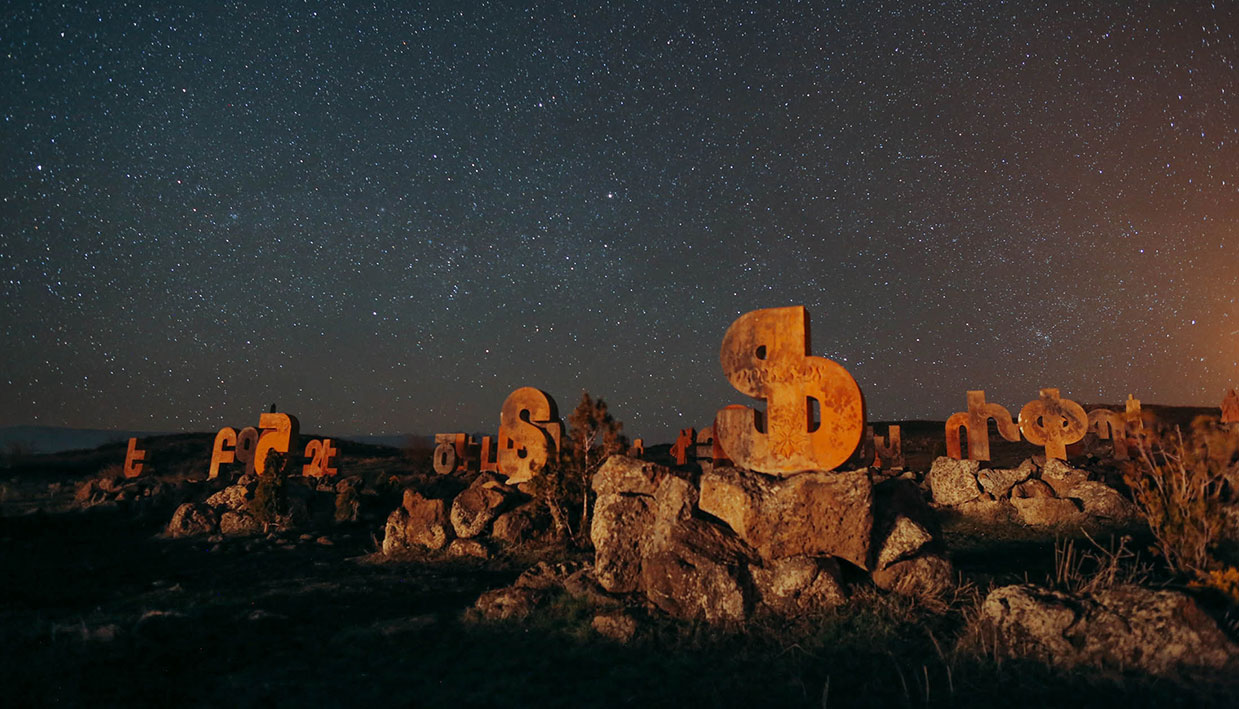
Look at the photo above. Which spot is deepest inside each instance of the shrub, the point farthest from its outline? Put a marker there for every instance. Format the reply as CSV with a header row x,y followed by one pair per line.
x,y
1179,488
270,494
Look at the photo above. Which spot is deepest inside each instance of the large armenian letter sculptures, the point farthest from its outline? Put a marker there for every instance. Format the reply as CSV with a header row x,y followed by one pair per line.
x,y
1053,422
976,420
224,450
765,355
320,453
247,441
1110,426
889,448
529,432
279,433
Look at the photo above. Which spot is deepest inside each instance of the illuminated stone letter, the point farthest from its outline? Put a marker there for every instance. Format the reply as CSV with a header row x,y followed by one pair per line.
x,y
765,355
450,453
133,459
637,449
247,441
683,445
1110,426
1230,407
224,450
487,460
889,449
1053,422
529,433
279,433
976,420
320,453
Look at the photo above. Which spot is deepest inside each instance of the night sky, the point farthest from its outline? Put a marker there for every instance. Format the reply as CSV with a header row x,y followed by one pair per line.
x,y
385,220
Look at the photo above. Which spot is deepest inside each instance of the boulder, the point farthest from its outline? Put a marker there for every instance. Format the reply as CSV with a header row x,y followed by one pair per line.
x,y
813,514
999,481
952,482
690,577
233,497
509,602
620,522
799,585
419,521
1158,632
1046,511
984,508
468,547
516,526
1060,476
479,504
905,540
924,576
617,625
191,520
623,475
238,524
1030,489
1102,501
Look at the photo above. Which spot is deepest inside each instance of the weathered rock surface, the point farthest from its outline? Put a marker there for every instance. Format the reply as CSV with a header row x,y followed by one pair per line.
x,y
620,522
1126,627
479,504
418,521
468,547
509,602
238,524
814,514
799,585
924,576
1102,501
999,481
685,581
1032,489
952,482
190,520
233,497
623,475
616,625
905,540
517,526
1061,477
1047,511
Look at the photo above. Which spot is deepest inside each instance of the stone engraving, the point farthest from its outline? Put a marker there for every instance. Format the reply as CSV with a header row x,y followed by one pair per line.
x,y
529,433
976,420
134,459
765,355
279,433
889,449
224,450
1053,422
1230,407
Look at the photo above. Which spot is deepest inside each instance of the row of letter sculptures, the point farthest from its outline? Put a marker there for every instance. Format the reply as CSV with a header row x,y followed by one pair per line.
x,y
277,432
530,433
1049,421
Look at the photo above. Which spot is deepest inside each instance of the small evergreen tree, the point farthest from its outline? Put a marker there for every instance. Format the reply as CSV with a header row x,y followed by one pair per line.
x,y
270,496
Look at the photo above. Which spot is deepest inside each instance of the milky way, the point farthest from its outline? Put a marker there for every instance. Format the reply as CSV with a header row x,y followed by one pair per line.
x,y
386,219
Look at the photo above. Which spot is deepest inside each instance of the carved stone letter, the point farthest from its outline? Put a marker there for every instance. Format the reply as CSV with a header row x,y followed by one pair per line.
x,y
1110,426
224,450
133,459
247,441
684,445
890,449
976,420
529,433
765,355
279,433
1230,407
1053,422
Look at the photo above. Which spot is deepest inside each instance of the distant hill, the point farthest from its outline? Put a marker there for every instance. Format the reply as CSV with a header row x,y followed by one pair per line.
x,y
56,439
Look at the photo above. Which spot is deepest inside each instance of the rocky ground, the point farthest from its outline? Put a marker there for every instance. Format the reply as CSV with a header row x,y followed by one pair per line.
x,y
100,605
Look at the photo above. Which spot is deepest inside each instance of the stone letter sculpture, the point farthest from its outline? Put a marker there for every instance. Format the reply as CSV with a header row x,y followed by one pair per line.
x,y
134,459
1053,422
224,450
683,445
1230,407
487,459
451,453
247,441
765,355
637,449
279,433
890,449
976,420
320,454
1110,426
529,432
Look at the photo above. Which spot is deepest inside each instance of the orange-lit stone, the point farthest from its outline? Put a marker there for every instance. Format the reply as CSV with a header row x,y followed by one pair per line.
x,y
765,355
487,460
1053,422
134,459
976,420
247,441
452,453
529,433
224,450
320,453
889,449
684,445
637,449
1230,407
279,433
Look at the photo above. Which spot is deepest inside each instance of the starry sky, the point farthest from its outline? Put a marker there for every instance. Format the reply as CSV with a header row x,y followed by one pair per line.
x,y
386,218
